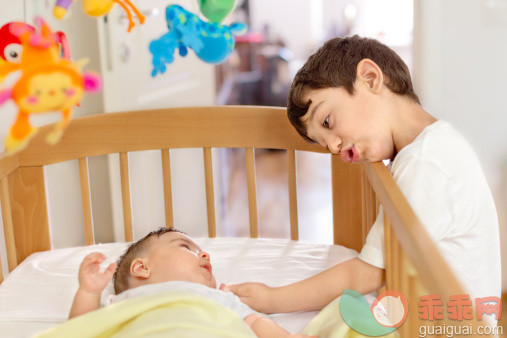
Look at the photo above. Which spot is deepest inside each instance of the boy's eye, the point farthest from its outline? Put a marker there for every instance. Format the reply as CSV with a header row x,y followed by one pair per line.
x,y
185,246
326,122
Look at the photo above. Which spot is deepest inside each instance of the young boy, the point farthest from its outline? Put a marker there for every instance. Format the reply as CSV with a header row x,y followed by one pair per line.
x,y
163,260
354,96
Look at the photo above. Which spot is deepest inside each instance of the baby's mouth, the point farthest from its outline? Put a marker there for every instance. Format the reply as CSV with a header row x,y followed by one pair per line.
x,y
208,267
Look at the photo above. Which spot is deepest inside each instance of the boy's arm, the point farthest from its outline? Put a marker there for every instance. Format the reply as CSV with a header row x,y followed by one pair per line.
x,y
314,292
266,328
91,284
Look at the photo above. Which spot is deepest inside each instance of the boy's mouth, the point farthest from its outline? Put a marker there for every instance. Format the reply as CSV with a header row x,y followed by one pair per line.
x,y
350,155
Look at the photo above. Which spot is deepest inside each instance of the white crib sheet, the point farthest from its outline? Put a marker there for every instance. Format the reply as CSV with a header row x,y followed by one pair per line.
x,y
39,292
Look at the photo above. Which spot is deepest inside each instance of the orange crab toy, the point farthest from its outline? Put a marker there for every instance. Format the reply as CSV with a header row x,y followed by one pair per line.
x,y
99,7
48,83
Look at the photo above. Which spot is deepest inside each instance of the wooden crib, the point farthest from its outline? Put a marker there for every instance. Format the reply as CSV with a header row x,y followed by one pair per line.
x,y
414,266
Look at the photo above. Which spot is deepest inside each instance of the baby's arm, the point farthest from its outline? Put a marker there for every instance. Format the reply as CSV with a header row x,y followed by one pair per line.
x,y
266,328
91,284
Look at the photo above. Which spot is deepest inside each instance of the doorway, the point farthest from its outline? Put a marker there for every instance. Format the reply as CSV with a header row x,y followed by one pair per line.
x,y
281,36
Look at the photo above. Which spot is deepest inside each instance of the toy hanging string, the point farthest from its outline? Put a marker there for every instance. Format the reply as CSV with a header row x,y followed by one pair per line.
x,y
36,9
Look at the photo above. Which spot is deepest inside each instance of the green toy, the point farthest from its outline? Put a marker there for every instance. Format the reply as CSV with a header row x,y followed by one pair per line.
x,y
216,10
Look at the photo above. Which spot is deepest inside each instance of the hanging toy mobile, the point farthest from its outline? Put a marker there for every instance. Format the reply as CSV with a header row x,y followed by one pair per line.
x,y
97,8
48,83
211,41
11,47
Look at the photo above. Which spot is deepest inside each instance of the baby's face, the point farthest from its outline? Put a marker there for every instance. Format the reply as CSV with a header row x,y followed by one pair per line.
x,y
176,257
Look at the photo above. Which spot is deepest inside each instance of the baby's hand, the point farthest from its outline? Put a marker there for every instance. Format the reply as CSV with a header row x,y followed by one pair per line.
x,y
90,278
256,295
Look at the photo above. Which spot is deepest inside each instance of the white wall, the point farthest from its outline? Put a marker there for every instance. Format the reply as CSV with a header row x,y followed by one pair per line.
x,y
460,73
291,20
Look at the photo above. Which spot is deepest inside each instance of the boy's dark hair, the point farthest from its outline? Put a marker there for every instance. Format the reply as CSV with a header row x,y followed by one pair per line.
x,y
335,65
122,274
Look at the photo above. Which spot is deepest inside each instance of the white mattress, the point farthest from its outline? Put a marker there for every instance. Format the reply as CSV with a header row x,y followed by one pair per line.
x,y
39,292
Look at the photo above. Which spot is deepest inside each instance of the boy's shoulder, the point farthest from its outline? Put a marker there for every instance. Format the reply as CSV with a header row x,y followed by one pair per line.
x,y
441,145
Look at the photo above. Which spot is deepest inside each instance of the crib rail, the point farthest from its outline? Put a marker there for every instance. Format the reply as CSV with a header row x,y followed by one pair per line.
x,y
413,263
192,127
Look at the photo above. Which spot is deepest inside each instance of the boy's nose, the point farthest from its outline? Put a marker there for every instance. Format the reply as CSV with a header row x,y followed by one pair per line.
x,y
333,144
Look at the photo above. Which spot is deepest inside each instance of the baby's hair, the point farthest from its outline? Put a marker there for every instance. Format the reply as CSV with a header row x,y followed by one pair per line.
x,y
335,65
122,274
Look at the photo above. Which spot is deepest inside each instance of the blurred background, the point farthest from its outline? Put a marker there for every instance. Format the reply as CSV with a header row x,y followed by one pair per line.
x,y
456,51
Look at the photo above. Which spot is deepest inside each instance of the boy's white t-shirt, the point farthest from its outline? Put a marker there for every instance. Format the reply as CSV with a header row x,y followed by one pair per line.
x,y
227,299
440,175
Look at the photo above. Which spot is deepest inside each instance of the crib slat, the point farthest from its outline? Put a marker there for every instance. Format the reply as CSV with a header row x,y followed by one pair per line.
x,y
395,247
210,192
168,195
293,194
388,244
368,205
372,209
411,292
125,192
404,288
8,228
364,206
252,191
86,200
1,272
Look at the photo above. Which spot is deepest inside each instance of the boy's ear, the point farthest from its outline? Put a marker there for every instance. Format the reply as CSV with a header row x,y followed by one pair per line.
x,y
371,74
139,268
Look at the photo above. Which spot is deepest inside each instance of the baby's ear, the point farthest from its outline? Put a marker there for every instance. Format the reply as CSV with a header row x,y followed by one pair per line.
x,y
139,268
369,72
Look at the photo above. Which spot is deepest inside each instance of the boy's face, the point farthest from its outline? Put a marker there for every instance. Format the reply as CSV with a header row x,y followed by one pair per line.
x,y
176,257
353,126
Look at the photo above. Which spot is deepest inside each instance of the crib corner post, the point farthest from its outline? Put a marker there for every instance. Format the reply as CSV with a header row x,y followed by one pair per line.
x,y
27,191
347,203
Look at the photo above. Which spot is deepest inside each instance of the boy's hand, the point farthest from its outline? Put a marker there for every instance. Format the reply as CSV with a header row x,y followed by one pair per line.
x,y
256,295
90,278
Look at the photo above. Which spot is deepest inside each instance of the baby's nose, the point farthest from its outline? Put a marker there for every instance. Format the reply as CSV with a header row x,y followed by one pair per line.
x,y
204,255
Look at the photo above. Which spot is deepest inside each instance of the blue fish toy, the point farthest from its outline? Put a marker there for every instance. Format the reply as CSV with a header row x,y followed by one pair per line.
x,y
211,41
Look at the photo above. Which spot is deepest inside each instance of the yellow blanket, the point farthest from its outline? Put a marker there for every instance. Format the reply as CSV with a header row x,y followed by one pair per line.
x,y
168,314
182,315
330,324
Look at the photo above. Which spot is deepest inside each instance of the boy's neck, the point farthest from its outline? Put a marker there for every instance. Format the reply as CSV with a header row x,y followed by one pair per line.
x,y
410,119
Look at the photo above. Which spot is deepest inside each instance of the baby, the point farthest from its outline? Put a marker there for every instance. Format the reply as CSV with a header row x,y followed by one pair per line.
x,y
165,256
